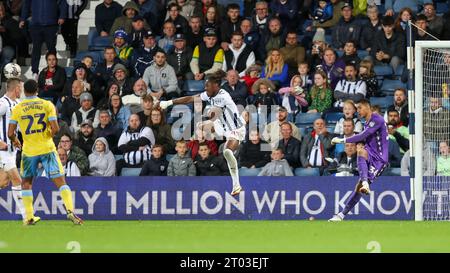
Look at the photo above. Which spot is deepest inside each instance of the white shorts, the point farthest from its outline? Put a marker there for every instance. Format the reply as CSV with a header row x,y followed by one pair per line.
x,y
238,134
7,161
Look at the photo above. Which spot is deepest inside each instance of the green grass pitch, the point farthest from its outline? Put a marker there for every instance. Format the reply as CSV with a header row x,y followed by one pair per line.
x,y
226,236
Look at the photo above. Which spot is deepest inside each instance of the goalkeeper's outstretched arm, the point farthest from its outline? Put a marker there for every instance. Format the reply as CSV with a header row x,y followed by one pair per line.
x,y
182,100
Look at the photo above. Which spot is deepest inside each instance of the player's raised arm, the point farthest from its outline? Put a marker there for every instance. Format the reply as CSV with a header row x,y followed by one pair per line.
x,y
182,100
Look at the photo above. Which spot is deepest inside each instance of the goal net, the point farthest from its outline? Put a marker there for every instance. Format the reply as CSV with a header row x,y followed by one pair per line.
x,y
432,130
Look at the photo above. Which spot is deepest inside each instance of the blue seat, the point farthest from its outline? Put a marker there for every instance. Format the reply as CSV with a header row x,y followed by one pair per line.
x,y
192,87
96,42
305,130
441,7
383,102
249,172
307,172
69,71
399,70
383,70
333,118
340,53
328,39
130,172
97,57
362,54
306,119
118,157
391,85
169,156
392,172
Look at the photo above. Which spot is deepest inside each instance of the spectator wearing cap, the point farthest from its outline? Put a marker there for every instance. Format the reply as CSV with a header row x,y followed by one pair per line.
x,y
181,24
120,112
105,15
123,50
71,103
346,29
239,56
133,101
47,15
121,77
107,130
207,57
373,25
161,79
101,159
230,25
180,58
85,137
194,35
272,131
136,36
143,56
86,111
125,21
168,39
69,29
51,79
104,70
389,46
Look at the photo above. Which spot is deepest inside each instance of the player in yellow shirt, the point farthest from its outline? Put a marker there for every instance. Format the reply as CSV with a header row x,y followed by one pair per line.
x,y
38,123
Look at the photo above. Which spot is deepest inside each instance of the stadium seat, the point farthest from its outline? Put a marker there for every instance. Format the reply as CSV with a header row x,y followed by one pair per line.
x,y
305,130
383,70
399,70
330,128
192,87
333,118
328,39
441,8
96,42
392,172
130,172
69,71
249,172
307,172
306,119
97,57
389,86
169,157
118,157
340,53
362,54
383,102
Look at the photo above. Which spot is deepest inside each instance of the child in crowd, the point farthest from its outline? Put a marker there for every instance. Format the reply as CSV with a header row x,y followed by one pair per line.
x,y
293,97
349,111
303,71
252,74
181,164
157,165
320,97
278,166
208,164
443,160
264,94
367,74
351,53
323,12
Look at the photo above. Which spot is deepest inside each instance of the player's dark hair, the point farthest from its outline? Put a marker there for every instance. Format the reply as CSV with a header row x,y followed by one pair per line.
x,y
364,102
30,87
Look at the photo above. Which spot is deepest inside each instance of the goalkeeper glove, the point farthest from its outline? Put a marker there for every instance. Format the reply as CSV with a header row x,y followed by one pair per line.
x,y
337,140
165,104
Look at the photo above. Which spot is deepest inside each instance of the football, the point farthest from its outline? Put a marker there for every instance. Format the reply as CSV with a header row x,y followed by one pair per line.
x,y
12,70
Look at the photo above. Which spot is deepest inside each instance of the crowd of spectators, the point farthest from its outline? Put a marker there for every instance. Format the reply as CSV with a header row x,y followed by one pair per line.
x,y
298,58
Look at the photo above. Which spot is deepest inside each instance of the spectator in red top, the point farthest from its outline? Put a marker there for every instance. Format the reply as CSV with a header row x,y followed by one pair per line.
x,y
198,138
51,79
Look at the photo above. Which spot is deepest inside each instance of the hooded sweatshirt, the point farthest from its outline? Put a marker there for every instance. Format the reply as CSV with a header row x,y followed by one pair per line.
x,y
277,168
158,78
102,164
124,22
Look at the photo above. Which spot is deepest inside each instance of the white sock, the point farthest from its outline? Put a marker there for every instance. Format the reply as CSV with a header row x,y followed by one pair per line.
x,y
232,166
340,214
17,195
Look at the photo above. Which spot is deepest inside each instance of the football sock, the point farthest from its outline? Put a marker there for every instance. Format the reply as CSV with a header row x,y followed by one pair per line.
x,y
27,199
232,166
352,201
66,195
362,168
17,195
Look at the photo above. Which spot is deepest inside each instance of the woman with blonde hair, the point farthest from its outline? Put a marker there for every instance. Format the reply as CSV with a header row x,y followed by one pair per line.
x,y
320,97
275,69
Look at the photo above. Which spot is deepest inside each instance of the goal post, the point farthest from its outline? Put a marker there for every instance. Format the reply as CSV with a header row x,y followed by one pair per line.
x,y
429,100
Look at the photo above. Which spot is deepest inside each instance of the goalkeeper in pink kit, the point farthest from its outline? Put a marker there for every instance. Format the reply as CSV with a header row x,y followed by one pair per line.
x,y
372,156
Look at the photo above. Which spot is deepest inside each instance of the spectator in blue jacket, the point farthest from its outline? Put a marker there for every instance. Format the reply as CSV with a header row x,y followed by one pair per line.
x,y
346,29
275,69
47,15
143,57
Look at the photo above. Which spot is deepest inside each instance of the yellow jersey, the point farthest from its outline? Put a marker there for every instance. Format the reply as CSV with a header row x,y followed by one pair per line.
x,y
33,116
